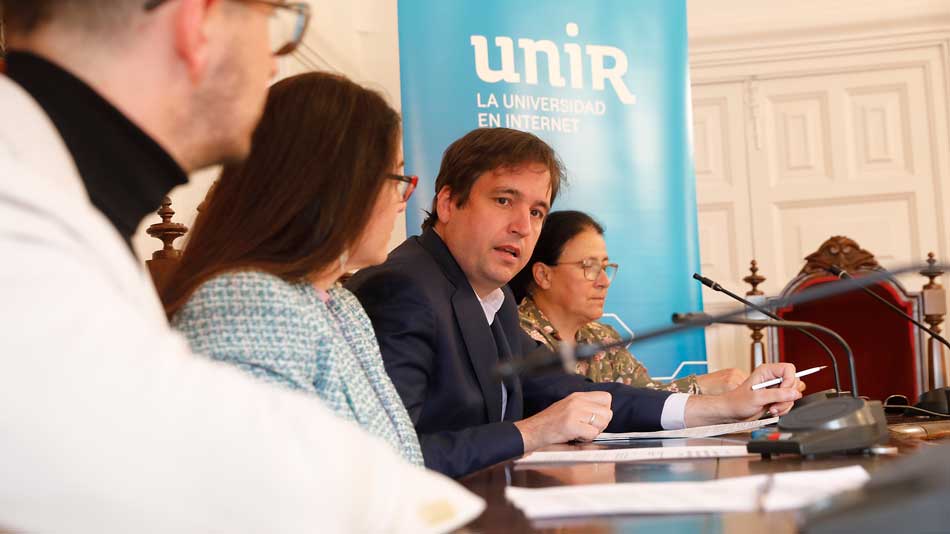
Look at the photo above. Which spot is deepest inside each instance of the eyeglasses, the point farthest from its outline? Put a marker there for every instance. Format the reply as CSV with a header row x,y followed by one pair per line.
x,y
406,185
593,268
288,23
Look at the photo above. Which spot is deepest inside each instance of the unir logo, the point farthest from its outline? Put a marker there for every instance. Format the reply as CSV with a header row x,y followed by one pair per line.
x,y
599,71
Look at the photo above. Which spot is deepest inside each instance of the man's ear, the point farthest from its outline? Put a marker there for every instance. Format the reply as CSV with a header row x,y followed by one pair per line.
x,y
191,39
444,204
541,274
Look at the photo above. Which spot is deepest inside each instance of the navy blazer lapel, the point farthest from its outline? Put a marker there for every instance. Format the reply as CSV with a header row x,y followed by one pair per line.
x,y
513,410
476,333
480,345
505,319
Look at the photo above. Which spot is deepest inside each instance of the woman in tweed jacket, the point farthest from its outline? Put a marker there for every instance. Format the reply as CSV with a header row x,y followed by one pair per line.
x,y
256,284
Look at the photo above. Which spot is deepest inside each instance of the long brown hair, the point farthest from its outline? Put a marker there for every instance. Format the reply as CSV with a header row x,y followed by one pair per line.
x,y
305,193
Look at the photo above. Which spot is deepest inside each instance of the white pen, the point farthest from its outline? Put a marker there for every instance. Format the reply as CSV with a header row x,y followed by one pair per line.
x,y
775,381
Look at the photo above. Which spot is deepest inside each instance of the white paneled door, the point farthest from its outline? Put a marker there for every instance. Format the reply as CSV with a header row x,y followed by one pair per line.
x,y
792,150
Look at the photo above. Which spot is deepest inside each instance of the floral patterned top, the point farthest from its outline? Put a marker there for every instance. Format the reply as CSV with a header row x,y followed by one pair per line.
x,y
614,365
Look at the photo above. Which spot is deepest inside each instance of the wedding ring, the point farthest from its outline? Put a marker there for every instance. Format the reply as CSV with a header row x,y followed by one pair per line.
x,y
591,420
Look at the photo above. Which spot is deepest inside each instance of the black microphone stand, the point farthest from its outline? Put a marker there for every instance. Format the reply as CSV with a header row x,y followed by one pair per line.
x,y
841,273
715,286
703,319
541,358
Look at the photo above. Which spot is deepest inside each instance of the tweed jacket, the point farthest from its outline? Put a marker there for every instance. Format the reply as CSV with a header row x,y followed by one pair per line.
x,y
290,334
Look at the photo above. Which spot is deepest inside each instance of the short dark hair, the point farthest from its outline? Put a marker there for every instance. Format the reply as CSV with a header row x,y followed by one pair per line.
x,y
559,228
489,149
24,16
306,192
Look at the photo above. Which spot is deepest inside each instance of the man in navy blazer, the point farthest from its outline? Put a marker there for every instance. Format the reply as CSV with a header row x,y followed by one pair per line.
x,y
444,318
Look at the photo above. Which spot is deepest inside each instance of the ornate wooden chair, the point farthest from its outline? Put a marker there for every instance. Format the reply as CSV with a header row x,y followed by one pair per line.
x,y
892,356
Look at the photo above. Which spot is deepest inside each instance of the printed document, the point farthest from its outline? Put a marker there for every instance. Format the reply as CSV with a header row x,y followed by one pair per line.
x,y
781,491
635,454
695,432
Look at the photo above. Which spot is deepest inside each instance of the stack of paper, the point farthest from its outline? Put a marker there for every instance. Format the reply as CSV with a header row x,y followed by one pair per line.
x,y
695,432
635,454
781,491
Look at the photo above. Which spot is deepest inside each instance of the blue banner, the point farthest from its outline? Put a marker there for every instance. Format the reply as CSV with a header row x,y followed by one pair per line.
x,y
606,83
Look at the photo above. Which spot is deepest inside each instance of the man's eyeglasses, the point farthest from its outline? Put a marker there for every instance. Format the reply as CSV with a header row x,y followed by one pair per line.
x,y
592,268
288,23
406,185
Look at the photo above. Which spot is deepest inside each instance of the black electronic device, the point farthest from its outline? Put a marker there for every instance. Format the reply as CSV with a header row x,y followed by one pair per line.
x,y
819,396
936,400
833,425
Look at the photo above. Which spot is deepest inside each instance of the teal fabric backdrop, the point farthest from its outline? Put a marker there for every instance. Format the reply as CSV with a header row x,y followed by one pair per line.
x,y
606,83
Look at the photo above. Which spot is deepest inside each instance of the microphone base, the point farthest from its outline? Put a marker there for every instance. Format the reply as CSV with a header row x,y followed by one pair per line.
x,y
820,396
836,425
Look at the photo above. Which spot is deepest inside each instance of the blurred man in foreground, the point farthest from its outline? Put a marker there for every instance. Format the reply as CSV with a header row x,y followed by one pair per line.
x,y
109,423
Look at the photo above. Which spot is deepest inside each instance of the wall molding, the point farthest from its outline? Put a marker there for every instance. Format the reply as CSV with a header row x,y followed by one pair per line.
x,y
743,62
751,51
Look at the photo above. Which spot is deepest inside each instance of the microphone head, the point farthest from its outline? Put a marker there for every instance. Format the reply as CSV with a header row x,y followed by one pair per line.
x,y
707,282
838,271
691,317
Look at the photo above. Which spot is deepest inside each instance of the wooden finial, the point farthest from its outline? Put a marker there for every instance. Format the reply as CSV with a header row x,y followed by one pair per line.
x,y
934,311
754,279
167,231
932,272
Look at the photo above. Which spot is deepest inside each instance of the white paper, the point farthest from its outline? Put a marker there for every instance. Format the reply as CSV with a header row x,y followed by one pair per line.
x,y
635,454
786,491
695,432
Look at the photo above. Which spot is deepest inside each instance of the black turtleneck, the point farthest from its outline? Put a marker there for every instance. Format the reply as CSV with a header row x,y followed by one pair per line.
x,y
126,172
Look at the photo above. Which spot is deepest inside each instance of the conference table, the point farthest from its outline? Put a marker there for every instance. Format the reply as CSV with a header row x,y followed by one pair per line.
x,y
501,516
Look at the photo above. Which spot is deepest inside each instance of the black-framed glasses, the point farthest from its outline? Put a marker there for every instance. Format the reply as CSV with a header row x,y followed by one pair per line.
x,y
593,268
406,185
288,23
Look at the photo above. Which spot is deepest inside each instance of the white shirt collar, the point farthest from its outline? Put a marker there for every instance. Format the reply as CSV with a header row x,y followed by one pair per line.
x,y
491,303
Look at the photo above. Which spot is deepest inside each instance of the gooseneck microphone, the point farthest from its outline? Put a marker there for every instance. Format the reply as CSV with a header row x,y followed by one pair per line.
x,y
715,286
841,273
544,358
703,319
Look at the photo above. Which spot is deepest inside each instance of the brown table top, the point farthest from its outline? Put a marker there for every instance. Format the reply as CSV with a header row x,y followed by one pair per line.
x,y
501,516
